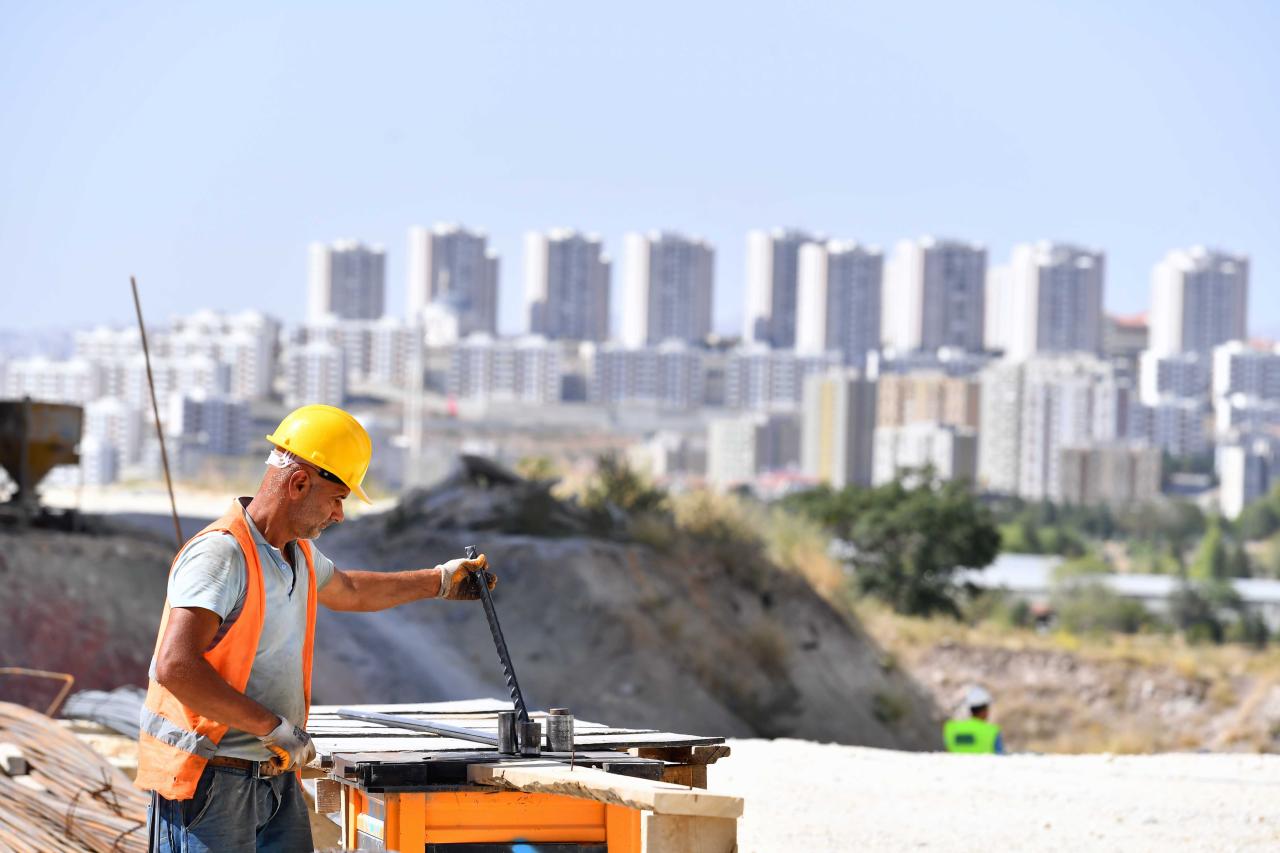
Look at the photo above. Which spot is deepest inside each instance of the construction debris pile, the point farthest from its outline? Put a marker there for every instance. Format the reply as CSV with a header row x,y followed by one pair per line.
x,y
59,794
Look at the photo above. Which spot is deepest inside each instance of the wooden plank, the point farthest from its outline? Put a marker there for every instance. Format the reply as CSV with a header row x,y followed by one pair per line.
x,y
688,775
549,777
710,754
664,833
328,796
679,754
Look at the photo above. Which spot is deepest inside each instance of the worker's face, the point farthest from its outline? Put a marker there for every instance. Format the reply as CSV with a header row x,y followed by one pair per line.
x,y
317,501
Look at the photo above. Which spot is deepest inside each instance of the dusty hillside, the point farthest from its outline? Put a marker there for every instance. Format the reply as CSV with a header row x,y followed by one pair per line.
x,y
83,603
1118,694
694,639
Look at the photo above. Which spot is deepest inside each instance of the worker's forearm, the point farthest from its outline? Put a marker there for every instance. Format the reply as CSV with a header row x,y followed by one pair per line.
x,y
197,685
380,590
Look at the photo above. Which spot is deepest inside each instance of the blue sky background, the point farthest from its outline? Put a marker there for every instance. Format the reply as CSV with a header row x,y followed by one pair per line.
x,y
202,147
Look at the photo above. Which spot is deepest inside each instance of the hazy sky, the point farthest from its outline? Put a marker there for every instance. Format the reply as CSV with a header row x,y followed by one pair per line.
x,y
203,146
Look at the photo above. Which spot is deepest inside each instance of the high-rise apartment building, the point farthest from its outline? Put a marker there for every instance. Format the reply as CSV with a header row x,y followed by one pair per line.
x,y
773,285
838,424
670,375
566,278
1179,426
1185,375
927,397
668,282
1033,409
935,295
1241,369
74,381
347,279
315,373
762,379
838,307
1199,299
453,267
1048,299
525,370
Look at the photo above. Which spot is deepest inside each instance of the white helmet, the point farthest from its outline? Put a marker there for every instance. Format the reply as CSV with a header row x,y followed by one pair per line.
x,y
976,697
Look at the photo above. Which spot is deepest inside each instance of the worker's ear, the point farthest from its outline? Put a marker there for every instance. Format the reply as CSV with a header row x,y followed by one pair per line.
x,y
298,484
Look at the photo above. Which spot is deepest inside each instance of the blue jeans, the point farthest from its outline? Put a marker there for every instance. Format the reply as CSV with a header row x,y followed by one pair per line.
x,y
232,812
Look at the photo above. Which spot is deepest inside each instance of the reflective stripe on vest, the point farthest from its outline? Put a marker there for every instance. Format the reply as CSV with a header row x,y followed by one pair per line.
x,y
970,735
174,735
174,742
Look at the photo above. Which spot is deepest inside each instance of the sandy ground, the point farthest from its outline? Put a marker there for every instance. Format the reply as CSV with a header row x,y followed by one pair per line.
x,y
821,797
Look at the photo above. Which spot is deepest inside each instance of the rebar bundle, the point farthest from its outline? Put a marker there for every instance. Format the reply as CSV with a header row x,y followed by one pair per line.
x,y
71,799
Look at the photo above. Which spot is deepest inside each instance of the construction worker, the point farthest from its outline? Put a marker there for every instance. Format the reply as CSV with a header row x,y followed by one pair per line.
x,y
230,683
974,733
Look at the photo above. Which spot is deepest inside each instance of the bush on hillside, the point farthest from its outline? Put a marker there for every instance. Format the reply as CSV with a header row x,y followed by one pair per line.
x,y
1089,607
907,537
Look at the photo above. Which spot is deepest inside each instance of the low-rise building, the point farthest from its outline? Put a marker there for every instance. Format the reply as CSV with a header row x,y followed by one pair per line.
x,y
1115,475
951,451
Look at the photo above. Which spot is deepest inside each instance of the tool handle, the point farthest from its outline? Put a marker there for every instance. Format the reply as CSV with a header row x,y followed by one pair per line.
x,y
504,656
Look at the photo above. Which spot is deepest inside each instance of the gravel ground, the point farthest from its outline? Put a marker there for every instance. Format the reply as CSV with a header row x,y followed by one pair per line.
x,y
823,797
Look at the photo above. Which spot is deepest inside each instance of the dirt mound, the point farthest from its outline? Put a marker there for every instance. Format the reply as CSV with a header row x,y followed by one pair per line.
x,y
689,638
85,603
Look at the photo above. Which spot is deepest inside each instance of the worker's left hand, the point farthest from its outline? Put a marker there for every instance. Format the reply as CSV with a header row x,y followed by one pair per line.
x,y
457,581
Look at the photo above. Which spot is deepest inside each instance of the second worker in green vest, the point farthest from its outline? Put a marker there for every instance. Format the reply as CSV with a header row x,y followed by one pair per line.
x,y
974,733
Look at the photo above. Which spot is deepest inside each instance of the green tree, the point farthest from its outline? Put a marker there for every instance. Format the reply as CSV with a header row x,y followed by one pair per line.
x,y
1210,562
908,538
1261,518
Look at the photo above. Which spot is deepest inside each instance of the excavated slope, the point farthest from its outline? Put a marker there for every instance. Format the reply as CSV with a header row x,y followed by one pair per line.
x,y
688,639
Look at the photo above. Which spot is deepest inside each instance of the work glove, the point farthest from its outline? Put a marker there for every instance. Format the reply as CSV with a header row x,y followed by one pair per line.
x,y
457,581
292,746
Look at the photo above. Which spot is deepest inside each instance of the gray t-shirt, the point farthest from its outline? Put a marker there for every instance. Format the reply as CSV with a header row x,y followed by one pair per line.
x,y
210,573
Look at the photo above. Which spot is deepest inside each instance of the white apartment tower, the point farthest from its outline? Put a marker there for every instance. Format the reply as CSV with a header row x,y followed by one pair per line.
x,y
566,276
1049,300
668,280
347,280
1199,299
838,306
773,285
935,295
453,267
1031,410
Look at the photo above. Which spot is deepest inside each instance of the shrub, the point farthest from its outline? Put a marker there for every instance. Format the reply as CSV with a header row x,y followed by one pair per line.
x,y
1088,607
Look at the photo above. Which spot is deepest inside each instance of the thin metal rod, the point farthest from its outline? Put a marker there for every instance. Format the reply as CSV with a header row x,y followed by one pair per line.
x,y
443,729
66,678
155,410
504,656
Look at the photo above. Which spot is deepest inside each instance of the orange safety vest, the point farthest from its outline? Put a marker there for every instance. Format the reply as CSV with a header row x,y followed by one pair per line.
x,y
175,743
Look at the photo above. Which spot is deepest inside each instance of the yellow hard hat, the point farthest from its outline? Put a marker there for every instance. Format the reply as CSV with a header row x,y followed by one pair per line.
x,y
330,439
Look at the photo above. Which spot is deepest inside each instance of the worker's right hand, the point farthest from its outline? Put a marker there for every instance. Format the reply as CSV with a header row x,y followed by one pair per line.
x,y
457,578
292,746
